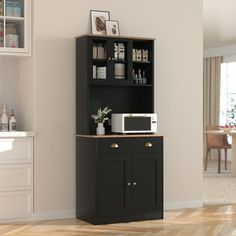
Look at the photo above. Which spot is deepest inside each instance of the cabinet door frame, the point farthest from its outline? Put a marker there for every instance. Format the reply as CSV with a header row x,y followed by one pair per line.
x,y
25,22
103,183
110,61
154,178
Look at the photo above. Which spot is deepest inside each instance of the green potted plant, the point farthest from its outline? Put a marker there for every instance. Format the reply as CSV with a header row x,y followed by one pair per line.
x,y
100,118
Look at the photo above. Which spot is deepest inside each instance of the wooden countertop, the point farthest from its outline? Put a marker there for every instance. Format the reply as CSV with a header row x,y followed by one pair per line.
x,y
233,132
115,36
16,134
119,135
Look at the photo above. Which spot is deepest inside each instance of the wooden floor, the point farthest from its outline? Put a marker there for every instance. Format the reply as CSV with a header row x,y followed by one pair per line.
x,y
207,221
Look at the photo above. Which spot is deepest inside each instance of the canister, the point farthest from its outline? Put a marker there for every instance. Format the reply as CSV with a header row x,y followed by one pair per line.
x,y
1,34
1,8
12,39
17,8
9,8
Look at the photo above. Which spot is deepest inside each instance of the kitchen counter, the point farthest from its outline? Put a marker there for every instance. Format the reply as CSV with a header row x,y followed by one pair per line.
x,y
119,135
16,171
15,134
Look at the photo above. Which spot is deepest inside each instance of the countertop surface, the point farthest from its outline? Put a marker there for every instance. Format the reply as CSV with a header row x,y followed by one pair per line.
x,y
120,136
220,132
15,134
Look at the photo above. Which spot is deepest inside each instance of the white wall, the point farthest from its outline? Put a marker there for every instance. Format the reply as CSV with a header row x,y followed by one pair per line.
x,y
9,82
177,27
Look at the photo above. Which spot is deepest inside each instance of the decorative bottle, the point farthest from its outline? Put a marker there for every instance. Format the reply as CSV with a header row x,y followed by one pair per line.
x,y
12,122
4,119
115,51
144,78
140,79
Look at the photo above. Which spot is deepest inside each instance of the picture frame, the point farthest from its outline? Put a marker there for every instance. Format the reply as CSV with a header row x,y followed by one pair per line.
x,y
98,19
112,27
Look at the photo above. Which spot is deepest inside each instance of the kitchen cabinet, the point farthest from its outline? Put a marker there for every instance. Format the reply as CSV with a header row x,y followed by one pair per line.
x,y
118,182
15,27
16,175
118,89
118,177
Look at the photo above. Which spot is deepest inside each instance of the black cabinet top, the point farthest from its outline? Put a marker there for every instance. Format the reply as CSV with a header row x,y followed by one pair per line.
x,y
118,37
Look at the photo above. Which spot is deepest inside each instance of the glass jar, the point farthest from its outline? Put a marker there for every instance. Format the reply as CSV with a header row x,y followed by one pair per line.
x,y
1,34
10,28
12,39
17,8
9,8
1,8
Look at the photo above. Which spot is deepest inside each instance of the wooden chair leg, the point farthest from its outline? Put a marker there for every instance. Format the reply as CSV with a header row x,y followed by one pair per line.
x,y
219,160
225,158
207,151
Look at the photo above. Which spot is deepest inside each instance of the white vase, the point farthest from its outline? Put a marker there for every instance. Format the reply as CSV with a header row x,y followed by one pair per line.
x,y
100,129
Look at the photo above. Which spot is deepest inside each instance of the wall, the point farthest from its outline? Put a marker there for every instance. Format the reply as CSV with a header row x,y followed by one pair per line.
x,y
9,82
177,27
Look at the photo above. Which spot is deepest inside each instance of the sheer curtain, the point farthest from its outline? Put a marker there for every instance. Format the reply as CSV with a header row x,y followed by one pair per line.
x,y
211,92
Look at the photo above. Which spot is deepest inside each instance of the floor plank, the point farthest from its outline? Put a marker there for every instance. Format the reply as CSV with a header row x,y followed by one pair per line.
x,y
207,221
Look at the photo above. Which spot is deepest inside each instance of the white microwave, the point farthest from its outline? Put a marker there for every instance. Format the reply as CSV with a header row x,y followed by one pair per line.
x,y
129,123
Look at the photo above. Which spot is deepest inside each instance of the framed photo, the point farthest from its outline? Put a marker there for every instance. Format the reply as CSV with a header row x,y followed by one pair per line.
x,y
112,27
98,19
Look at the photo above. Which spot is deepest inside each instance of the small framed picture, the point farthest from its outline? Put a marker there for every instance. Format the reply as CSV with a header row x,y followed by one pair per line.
x,y
98,19
112,27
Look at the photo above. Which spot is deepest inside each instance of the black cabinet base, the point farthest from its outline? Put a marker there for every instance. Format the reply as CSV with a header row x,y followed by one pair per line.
x,y
122,184
155,216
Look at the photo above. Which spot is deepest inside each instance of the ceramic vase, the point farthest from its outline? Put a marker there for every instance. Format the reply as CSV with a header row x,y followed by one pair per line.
x,y
100,129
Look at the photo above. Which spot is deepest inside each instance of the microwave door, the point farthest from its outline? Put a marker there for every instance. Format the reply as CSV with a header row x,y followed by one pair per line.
x,y
137,123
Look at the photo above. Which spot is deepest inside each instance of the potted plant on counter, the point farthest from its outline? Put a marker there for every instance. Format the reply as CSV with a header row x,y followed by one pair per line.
x,y
100,118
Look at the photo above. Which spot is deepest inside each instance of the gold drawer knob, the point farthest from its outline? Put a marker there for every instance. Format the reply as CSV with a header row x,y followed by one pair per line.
x,y
129,184
148,144
134,183
114,145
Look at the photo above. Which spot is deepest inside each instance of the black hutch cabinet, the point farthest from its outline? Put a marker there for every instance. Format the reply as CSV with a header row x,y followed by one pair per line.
x,y
118,177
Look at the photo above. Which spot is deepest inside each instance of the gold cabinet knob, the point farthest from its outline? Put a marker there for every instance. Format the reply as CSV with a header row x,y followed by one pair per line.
x,y
114,145
134,183
148,144
128,184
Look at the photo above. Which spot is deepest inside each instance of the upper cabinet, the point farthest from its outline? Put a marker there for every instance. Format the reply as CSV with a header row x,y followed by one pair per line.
x,y
120,61
117,72
15,27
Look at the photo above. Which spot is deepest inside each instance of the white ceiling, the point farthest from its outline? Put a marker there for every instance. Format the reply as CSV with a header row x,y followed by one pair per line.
x,y
219,23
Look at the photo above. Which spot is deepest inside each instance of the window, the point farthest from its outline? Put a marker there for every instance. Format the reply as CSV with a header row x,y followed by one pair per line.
x,y
228,93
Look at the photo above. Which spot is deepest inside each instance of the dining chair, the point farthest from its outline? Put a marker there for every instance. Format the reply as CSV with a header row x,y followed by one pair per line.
x,y
217,141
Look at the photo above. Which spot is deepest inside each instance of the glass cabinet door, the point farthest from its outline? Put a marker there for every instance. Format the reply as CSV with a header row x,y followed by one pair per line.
x,y
15,27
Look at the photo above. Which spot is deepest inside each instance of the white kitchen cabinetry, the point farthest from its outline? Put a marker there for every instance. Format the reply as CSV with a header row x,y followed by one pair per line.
x,y
15,27
16,175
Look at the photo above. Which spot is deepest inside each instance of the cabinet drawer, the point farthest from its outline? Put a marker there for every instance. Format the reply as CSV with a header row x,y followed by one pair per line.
x,y
16,150
129,145
148,145
16,177
16,204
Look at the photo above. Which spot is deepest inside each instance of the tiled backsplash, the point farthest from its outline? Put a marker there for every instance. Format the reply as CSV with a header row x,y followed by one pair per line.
x,y
9,78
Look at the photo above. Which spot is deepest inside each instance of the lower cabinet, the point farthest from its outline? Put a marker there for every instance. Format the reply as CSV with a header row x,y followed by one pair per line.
x,y
16,204
119,179
16,177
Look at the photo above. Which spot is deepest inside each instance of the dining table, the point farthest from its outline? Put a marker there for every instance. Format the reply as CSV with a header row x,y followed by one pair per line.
x,y
233,151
